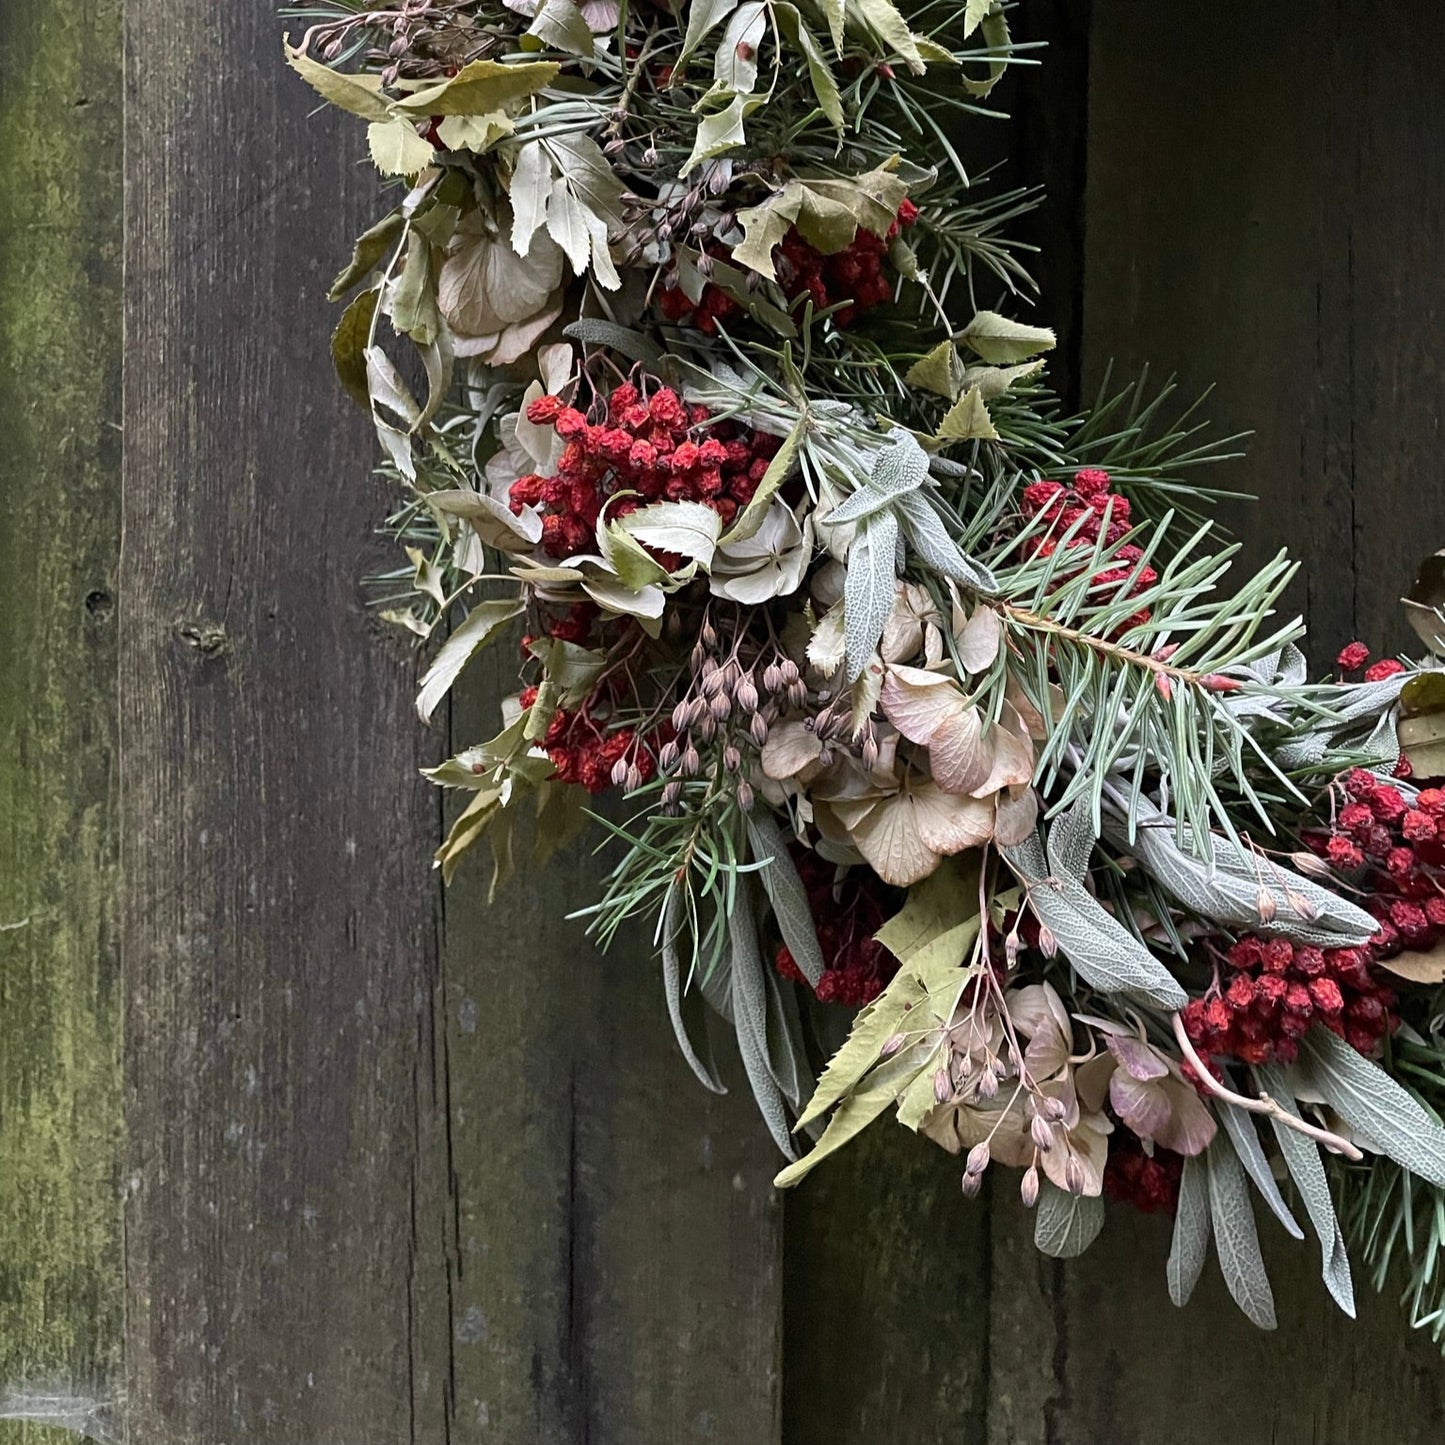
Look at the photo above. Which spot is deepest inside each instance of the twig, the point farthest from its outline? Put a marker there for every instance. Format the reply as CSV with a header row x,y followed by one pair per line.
x,y
1262,1105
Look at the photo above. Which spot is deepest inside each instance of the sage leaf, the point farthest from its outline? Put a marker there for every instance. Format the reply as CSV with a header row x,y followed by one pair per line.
x,y
1370,1101
597,331
1099,947
1190,1244
1302,1156
1066,1224
928,537
750,1017
1235,1238
1239,1125
672,926
869,589
1226,884
786,894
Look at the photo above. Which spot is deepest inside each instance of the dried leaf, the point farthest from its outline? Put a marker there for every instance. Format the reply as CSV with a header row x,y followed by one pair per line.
x,y
978,643
397,149
480,87
1370,1101
348,345
1302,1156
1424,968
1190,1245
359,94
1000,341
1235,1238
482,624
1066,1224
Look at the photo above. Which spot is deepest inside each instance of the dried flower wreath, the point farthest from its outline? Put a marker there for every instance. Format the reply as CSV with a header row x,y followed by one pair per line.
x,y
923,696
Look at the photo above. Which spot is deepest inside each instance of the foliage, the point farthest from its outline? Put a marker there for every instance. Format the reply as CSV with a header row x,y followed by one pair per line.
x,y
692,343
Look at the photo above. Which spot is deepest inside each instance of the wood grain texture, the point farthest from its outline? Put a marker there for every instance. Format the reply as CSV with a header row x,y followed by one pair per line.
x,y
279,944
617,1270
60,382
1267,215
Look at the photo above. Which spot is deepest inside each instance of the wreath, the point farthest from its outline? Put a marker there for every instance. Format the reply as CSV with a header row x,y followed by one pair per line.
x,y
943,750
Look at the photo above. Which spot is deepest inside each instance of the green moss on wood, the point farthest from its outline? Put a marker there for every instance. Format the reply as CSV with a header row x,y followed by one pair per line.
x,y
60,346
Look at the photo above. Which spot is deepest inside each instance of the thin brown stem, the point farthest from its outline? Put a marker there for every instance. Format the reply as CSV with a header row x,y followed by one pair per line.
x,y
1262,1105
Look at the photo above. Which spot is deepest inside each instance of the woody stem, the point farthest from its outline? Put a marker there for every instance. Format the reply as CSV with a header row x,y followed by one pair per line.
x,y
1262,1105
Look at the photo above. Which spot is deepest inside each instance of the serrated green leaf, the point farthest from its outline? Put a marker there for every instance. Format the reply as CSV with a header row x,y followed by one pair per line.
x,y
861,1051
720,131
480,87
999,340
396,148
475,133
560,25
820,75
935,929
996,37
779,469
883,20
968,420
482,624
881,1089
703,17
939,371
359,94
412,303
348,345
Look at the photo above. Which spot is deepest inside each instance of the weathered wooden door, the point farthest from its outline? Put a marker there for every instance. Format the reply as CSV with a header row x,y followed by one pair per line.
x,y
292,1149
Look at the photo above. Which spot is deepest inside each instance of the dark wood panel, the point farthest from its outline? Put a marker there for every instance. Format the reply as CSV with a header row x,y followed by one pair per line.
x,y
618,1262
1267,216
1264,211
60,381
280,934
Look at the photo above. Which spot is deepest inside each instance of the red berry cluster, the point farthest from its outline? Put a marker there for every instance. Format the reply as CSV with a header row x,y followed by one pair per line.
x,y
584,752
1278,989
855,275
1090,503
1355,655
857,968
648,443
1395,849
1149,1183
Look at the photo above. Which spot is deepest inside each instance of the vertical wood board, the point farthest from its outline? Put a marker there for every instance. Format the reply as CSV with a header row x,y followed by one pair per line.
x,y
60,1117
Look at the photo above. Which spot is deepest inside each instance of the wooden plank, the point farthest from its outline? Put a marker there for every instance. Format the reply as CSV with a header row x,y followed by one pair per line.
x,y
279,938
1270,220
60,338
617,1273
1263,212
